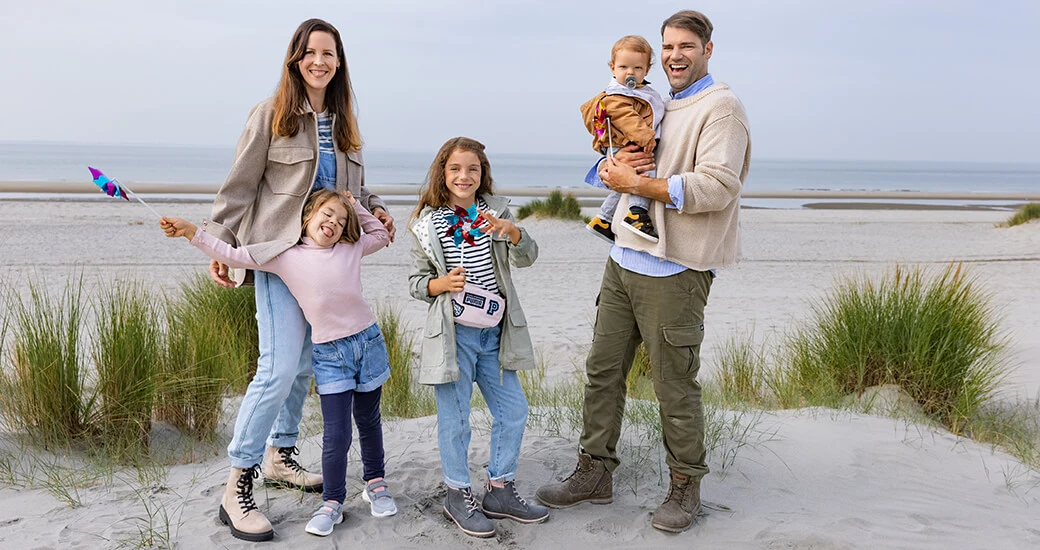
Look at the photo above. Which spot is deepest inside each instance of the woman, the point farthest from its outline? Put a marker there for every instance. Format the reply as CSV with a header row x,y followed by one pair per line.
x,y
303,139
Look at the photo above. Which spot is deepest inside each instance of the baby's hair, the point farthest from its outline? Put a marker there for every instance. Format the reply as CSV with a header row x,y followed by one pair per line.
x,y
435,190
633,43
351,229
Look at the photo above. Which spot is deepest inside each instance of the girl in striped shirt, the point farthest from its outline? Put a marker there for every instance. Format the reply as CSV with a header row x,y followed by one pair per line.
x,y
466,235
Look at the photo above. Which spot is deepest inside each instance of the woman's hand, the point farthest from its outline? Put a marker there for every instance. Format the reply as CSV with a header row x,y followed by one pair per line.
x,y
501,226
176,227
386,219
219,273
454,281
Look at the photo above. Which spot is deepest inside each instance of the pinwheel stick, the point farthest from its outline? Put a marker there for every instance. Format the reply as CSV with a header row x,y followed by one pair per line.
x,y
610,141
134,195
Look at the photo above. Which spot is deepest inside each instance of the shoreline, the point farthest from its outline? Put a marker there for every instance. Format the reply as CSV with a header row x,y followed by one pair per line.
x,y
405,195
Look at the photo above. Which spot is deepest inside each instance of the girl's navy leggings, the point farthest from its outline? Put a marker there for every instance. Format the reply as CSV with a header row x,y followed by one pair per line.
x,y
336,409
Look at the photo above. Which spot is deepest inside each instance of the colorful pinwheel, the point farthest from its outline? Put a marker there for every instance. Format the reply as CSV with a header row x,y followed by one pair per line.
x,y
109,186
459,220
113,188
602,126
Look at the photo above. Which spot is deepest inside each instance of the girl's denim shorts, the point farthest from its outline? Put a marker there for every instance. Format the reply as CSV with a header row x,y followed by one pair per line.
x,y
358,362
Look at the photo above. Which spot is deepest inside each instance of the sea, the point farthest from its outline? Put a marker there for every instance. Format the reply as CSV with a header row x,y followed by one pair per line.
x,y
200,165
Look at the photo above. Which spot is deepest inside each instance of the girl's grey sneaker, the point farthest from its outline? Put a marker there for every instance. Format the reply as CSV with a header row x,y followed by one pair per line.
x,y
329,514
378,496
462,507
504,502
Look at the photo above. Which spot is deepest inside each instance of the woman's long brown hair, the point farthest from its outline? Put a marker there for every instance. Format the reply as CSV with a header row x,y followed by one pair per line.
x,y
435,190
291,96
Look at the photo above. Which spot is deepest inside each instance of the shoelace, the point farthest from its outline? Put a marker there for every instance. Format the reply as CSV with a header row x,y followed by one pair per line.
x,y
520,499
289,461
245,488
471,501
676,490
512,488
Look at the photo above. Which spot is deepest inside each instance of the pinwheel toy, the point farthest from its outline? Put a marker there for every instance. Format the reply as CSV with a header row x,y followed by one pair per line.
x,y
113,188
602,125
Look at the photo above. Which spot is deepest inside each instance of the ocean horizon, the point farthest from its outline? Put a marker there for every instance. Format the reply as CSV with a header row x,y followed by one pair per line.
x,y
209,165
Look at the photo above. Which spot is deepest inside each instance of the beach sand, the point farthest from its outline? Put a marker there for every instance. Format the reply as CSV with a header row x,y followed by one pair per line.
x,y
811,478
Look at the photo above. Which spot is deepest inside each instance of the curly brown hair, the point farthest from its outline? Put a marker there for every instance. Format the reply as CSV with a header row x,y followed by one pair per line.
x,y
351,229
434,191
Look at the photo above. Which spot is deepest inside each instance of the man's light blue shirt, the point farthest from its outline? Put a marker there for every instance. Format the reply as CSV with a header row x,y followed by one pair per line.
x,y
638,261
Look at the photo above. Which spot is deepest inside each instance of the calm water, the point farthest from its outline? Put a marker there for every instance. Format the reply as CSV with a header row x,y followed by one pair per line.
x,y
210,165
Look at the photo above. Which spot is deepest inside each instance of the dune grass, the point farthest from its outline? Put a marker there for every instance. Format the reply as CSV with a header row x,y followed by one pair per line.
x,y
556,205
127,353
43,392
211,348
937,337
401,396
1025,214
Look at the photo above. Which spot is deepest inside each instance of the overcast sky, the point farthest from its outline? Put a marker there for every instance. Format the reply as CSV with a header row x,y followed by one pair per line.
x,y
886,80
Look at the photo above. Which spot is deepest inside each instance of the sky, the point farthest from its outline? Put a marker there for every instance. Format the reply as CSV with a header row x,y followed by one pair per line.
x,y
882,80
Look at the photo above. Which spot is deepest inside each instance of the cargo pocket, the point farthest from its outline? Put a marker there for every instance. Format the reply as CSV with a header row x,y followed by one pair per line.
x,y
433,342
286,168
680,351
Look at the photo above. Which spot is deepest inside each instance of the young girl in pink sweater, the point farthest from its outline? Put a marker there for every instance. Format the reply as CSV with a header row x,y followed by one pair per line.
x,y
323,272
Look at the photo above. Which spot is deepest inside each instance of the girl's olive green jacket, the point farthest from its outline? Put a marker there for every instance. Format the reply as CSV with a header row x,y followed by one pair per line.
x,y
438,363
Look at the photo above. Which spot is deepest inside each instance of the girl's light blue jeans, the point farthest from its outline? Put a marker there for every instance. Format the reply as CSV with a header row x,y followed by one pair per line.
x,y
477,353
273,405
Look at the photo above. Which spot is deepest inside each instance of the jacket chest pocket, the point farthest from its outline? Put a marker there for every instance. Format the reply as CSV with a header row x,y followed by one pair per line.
x,y
289,170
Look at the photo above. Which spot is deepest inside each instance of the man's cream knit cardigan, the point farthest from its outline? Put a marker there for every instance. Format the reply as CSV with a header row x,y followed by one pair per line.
x,y
705,138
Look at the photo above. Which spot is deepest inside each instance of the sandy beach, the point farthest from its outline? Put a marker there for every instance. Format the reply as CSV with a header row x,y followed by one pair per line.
x,y
810,478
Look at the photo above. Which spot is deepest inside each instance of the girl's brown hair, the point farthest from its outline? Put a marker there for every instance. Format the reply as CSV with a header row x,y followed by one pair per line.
x,y
351,229
291,96
435,189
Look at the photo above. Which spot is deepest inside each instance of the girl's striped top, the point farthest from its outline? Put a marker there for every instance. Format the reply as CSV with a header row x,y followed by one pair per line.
x,y
479,269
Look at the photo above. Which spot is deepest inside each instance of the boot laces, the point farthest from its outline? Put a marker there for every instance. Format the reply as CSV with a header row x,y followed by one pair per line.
x,y
287,458
677,491
512,489
578,469
471,501
245,488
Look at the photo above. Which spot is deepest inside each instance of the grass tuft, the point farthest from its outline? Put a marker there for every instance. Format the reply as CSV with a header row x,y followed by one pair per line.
x,y
127,353
936,337
1025,214
556,205
43,394
401,396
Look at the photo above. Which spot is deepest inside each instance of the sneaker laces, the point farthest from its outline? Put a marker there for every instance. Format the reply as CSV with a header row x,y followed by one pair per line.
x,y
288,460
245,488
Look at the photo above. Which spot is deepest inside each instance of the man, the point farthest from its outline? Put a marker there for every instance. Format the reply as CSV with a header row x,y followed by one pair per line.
x,y
655,293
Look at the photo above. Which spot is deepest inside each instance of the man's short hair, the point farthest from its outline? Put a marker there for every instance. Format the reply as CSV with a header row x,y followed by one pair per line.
x,y
693,21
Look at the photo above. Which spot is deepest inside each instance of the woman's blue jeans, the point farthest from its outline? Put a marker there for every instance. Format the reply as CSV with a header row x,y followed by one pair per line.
x,y
273,405
477,354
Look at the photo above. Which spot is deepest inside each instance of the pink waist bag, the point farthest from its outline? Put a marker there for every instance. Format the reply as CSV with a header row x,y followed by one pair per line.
x,y
476,307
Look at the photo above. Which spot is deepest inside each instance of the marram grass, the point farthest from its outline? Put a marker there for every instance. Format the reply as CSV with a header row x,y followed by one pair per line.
x,y
401,397
43,390
127,353
936,336
556,205
1025,214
